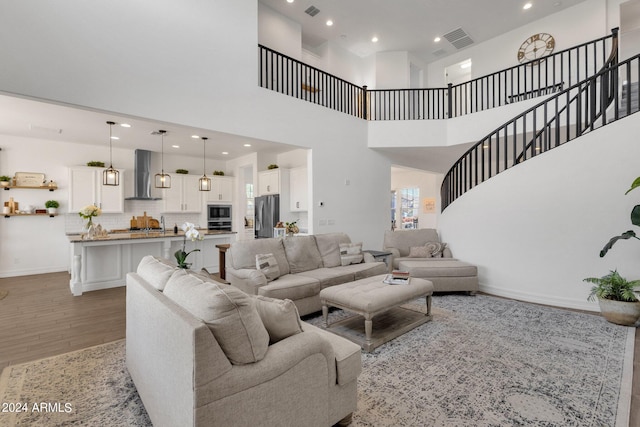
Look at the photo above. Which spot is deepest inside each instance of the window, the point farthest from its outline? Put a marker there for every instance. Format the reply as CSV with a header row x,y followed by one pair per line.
x,y
394,194
409,207
250,205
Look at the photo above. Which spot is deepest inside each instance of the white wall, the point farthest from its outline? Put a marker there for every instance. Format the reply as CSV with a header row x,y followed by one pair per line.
x,y
392,70
569,27
536,230
278,32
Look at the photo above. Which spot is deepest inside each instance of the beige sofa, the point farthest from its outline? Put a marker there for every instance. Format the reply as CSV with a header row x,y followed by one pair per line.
x,y
438,265
306,264
187,370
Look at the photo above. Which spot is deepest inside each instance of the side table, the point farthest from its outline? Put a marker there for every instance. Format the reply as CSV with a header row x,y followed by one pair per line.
x,y
222,248
380,256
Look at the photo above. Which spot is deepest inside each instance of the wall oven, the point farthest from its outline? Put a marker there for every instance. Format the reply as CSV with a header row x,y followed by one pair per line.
x,y
219,217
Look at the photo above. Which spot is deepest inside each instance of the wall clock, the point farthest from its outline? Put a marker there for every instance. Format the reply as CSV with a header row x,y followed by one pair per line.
x,y
536,47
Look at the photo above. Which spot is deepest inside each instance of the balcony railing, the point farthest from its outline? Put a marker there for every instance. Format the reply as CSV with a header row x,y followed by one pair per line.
x,y
550,75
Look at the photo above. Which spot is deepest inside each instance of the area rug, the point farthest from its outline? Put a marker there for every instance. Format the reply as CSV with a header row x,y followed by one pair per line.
x,y
482,361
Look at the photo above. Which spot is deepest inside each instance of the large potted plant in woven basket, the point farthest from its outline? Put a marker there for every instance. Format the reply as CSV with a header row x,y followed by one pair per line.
x,y
618,297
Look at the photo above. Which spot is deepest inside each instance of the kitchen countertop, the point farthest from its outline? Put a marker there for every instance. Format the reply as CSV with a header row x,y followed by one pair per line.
x,y
75,237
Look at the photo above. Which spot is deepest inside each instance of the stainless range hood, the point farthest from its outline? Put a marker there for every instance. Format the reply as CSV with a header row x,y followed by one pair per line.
x,y
142,176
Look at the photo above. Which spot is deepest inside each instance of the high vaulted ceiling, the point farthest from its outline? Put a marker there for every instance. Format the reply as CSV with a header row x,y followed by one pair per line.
x,y
410,25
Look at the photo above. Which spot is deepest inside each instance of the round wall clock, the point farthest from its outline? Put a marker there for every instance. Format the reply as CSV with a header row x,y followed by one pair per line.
x,y
535,47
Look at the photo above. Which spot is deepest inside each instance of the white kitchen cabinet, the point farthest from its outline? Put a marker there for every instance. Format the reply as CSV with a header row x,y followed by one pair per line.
x,y
273,181
298,191
85,188
183,196
221,189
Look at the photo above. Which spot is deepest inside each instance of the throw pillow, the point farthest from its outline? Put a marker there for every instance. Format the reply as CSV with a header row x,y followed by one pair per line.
x,y
419,252
228,312
302,253
351,253
268,264
435,248
280,317
155,271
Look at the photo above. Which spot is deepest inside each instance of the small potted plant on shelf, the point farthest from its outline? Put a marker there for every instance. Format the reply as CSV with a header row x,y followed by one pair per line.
x,y
272,166
616,297
182,171
52,206
95,163
219,173
5,181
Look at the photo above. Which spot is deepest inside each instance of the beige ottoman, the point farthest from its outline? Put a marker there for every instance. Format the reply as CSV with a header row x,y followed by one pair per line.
x,y
446,275
371,297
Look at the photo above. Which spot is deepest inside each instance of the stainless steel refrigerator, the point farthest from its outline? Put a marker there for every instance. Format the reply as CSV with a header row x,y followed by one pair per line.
x,y
267,215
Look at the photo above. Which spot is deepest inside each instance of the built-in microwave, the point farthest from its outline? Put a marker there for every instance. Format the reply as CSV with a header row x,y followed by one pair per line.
x,y
219,217
219,212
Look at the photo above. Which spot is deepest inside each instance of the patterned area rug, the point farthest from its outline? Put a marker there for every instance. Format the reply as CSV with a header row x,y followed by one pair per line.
x,y
482,361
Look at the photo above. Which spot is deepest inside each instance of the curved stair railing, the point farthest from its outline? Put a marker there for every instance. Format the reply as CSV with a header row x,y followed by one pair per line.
x,y
588,95
563,117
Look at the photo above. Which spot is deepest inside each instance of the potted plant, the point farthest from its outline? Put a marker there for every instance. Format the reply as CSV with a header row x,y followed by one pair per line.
x,y
182,171
95,163
272,166
5,180
616,297
52,206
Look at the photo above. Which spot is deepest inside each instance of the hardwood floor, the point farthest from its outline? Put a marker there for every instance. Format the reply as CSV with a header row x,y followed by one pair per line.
x,y
40,318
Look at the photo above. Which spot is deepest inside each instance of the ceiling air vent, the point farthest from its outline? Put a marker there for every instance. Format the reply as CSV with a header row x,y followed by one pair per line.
x,y
312,11
458,38
439,52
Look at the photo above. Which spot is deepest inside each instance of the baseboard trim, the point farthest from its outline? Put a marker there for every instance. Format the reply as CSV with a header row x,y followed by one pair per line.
x,y
540,299
32,271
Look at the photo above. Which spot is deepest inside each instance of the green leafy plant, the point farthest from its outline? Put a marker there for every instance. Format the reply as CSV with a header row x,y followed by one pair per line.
x,y
272,166
182,171
51,204
220,173
613,287
635,220
95,163
5,178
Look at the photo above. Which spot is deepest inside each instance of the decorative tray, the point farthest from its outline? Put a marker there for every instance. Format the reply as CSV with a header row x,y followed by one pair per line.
x,y
29,179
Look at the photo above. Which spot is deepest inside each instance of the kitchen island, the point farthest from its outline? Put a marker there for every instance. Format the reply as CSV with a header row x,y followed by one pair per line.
x,y
104,262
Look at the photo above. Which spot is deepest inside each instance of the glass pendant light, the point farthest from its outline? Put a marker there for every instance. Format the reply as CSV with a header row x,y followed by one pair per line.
x,y
110,176
163,180
204,183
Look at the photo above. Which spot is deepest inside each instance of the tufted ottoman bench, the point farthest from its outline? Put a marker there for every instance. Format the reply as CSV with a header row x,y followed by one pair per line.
x,y
371,297
447,275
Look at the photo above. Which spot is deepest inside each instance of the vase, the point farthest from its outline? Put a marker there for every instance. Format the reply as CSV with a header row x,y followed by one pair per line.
x,y
90,230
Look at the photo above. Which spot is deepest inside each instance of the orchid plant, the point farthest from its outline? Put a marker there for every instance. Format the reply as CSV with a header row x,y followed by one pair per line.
x,y
192,233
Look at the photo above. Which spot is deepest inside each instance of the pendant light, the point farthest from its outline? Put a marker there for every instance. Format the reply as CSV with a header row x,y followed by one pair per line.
x,y
205,183
163,180
110,176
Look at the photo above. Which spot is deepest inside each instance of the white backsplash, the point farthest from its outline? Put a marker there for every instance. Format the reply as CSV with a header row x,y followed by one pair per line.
x,y
74,222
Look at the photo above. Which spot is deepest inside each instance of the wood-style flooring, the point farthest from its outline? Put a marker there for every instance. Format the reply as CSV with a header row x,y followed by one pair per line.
x,y
40,318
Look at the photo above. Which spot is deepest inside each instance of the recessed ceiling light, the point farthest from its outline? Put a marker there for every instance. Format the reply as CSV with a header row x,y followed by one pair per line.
x,y
329,23
175,146
114,137
527,6
247,145
125,125
290,1
225,152
437,39
195,137
374,39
